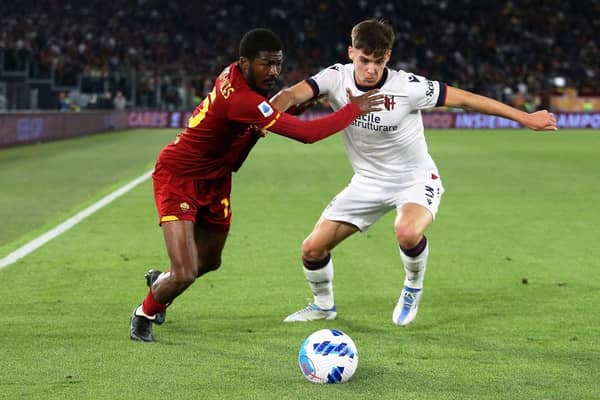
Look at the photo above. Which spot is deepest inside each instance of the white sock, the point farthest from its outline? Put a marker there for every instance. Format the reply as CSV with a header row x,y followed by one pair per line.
x,y
415,268
140,312
321,284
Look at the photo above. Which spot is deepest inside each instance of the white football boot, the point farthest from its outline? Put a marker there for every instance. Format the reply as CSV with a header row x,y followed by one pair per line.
x,y
311,312
408,304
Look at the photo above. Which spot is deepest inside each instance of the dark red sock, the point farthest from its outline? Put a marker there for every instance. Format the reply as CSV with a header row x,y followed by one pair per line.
x,y
150,306
417,250
315,265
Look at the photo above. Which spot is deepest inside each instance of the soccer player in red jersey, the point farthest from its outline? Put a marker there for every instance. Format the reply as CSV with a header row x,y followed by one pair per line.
x,y
192,176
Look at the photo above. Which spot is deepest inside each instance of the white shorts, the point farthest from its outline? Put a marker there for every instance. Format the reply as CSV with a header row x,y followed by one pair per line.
x,y
365,200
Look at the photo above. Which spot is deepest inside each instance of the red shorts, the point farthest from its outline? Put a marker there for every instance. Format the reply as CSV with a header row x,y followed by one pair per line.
x,y
205,202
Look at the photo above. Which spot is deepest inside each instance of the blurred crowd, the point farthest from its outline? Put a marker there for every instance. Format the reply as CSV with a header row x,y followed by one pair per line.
x,y
510,50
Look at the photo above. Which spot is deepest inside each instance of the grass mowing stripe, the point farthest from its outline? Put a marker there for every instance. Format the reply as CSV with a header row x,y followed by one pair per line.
x,y
69,223
42,185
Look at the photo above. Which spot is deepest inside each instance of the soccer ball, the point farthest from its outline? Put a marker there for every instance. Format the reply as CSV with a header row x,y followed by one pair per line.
x,y
328,356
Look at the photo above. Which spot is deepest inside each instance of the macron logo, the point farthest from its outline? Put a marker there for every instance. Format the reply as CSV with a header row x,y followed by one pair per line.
x,y
265,109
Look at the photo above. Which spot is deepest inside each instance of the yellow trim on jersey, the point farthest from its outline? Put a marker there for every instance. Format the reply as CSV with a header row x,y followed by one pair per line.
x,y
208,100
168,218
270,124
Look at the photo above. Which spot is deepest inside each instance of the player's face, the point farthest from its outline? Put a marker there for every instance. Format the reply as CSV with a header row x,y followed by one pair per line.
x,y
368,69
264,70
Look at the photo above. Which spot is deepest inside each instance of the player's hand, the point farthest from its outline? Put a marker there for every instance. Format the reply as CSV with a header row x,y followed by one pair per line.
x,y
255,130
367,102
541,121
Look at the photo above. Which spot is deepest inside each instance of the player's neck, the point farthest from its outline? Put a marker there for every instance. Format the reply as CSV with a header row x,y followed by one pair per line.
x,y
378,85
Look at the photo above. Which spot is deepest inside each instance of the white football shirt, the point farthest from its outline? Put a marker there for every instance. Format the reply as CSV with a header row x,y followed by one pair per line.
x,y
388,144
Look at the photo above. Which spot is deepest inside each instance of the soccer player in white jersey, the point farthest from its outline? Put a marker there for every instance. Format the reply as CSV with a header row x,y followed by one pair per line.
x,y
392,166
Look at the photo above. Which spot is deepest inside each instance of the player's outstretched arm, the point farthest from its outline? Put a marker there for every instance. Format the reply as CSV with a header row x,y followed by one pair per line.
x,y
300,93
320,128
537,121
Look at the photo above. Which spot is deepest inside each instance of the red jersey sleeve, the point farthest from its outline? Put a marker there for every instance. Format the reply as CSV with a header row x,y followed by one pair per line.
x,y
316,129
252,109
249,108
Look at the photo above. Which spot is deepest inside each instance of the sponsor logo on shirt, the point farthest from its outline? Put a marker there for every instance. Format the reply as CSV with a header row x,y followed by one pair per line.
x,y
374,124
265,109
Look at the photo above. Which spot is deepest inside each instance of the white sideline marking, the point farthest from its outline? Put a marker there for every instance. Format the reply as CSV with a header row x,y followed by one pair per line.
x,y
71,222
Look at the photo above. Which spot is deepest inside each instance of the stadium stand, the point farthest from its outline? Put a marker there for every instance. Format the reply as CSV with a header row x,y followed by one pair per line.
x,y
164,54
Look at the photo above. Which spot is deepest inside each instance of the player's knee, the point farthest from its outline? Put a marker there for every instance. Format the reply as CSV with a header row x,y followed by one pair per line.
x,y
182,277
313,252
209,266
408,235
181,270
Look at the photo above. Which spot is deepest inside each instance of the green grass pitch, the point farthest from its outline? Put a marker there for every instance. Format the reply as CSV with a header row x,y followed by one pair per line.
x,y
517,205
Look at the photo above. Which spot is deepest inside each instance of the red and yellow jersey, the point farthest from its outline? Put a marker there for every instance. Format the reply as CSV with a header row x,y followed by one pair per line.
x,y
217,138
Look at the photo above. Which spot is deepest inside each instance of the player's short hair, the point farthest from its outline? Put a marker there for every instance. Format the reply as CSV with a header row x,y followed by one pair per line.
x,y
373,36
260,39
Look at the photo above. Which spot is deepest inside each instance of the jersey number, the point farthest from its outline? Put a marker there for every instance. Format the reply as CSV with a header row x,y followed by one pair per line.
x,y
196,119
225,203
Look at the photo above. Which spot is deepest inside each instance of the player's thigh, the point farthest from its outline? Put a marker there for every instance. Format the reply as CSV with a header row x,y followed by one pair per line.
x,y
174,196
417,206
209,244
212,221
426,193
360,204
412,220
327,234
214,205
181,246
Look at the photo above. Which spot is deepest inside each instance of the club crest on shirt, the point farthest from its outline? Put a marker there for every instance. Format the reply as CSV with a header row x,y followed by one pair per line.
x,y
389,103
265,109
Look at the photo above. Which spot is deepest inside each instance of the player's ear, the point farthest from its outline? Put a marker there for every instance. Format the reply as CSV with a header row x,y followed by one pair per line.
x,y
351,53
244,64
